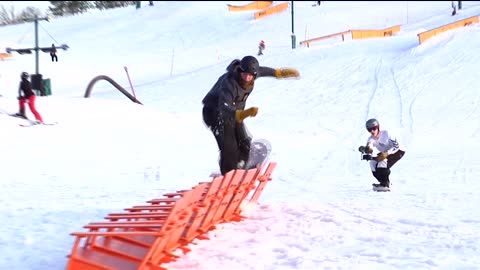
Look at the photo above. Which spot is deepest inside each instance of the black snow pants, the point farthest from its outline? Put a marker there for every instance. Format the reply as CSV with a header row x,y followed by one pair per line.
x,y
232,139
382,174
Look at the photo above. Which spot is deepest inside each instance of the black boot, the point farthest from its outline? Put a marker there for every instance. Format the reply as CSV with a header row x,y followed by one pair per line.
x,y
21,113
382,175
376,175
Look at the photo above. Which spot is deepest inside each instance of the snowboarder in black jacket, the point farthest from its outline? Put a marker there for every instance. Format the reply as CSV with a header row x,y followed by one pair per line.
x,y
224,109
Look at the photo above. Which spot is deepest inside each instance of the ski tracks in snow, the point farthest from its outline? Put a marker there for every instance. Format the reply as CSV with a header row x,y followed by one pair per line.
x,y
385,101
374,90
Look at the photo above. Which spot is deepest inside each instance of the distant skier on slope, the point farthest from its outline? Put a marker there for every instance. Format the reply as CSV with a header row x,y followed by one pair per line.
x,y
390,151
224,109
53,53
261,47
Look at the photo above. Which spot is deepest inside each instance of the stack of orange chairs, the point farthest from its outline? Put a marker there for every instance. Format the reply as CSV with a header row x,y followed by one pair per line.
x,y
143,237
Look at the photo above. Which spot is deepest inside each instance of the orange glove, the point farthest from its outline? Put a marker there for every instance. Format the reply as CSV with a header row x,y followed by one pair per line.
x,y
381,156
242,114
286,73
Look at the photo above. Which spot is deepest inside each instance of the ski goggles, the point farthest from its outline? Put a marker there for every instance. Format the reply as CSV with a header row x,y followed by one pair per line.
x,y
372,128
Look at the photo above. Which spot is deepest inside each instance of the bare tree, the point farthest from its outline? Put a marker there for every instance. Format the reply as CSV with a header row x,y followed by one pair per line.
x,y
29,13
7,16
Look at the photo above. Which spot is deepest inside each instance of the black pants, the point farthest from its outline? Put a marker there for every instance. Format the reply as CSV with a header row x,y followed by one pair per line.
x,y
382,174
54,56
232,139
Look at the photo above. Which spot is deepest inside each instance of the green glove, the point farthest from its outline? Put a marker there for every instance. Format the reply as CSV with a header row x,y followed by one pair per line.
x,y
242,114
286,73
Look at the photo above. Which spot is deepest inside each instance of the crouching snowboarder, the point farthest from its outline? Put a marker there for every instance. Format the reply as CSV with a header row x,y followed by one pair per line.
x,y
389,152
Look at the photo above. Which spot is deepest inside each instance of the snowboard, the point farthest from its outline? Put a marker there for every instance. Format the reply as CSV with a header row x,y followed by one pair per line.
x,y
380,189
260,149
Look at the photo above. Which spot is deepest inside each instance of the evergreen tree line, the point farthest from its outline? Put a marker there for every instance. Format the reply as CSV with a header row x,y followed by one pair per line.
x,y
58,9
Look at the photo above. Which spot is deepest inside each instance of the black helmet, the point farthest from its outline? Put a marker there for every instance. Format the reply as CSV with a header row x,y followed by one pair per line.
x,y
24,75
372,123
250,65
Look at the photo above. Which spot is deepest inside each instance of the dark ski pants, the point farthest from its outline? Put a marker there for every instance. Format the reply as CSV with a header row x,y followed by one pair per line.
x,y
54,57
232,139
382,174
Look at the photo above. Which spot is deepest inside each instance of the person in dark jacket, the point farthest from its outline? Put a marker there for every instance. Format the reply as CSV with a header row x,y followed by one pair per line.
x,y
224,109
26,94
53,53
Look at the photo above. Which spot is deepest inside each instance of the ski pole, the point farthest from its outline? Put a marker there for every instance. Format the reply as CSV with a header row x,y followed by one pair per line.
x,y
131,86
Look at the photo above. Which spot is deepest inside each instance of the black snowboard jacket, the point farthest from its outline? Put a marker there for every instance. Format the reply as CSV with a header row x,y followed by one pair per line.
x,y
227,95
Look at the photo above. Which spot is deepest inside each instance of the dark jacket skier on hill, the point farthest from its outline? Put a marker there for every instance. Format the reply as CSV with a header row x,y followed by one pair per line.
x,y
224,109
26,94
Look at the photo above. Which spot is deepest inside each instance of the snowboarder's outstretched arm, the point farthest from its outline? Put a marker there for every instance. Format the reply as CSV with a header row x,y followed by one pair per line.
x,y
278,73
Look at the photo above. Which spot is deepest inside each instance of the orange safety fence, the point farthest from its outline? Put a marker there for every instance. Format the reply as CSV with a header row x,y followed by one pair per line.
x,y
357,34
143,237
3,56
422,37
270,11
387,32
252,6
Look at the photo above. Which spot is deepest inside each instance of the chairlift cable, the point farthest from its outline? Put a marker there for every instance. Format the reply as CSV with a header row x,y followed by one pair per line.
x,y
48,34
24,35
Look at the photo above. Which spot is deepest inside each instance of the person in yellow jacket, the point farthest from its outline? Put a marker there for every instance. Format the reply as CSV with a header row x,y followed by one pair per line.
x,y
224,108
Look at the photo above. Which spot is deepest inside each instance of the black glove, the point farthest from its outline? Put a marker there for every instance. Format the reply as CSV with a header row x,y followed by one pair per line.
x,y
365,149
19,97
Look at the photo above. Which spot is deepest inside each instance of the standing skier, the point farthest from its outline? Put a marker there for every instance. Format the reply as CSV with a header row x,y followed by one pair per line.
x,y
389,152
224,109
261,47
26,94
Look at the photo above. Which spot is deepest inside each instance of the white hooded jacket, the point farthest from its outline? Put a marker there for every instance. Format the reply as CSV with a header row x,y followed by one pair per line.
x,y
386,142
